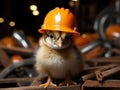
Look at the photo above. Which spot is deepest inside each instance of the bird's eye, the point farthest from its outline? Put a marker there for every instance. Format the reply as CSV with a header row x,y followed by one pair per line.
x,y
51,35
68,37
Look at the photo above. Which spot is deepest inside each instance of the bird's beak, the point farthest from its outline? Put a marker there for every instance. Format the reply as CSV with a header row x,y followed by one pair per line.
x,y
59,43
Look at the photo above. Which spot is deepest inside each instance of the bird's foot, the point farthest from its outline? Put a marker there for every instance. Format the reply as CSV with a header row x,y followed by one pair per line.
x,y
48,84
68,83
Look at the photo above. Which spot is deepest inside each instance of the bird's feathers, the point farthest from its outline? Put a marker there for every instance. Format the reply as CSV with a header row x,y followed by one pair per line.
x,y
58,62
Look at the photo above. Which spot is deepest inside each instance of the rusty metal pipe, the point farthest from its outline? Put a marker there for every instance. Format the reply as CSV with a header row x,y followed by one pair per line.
x,y
100,75
91,75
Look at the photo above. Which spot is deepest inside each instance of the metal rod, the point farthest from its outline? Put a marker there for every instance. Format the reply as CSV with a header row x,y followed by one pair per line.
x,y
101,75
117,8
91,75
18,50
89,84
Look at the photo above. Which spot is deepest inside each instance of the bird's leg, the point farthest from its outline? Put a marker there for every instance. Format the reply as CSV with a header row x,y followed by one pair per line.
x,y
48,83
68,81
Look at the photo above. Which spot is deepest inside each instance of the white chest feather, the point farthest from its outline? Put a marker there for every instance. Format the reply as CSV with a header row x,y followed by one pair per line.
x,y
57,63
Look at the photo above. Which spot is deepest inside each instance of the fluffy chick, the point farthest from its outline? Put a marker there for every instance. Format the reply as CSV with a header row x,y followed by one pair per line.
x,y
58,58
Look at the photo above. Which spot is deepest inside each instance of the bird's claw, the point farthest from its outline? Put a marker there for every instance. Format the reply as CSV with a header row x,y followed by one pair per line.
x,y
50,84
68,83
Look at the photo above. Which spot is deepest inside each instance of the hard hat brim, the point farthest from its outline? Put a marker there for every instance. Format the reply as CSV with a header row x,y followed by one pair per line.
x,y
58,28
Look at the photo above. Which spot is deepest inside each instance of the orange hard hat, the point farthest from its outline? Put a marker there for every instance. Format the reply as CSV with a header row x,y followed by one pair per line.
x,y
59,19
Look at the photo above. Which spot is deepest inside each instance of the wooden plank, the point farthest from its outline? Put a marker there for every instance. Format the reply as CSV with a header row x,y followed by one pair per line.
x,y
15,84
74,87
8,80
24,88
18,50
4,59
96,84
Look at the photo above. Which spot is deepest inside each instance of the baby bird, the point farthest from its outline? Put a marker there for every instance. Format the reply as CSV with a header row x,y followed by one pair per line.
x,y
58,58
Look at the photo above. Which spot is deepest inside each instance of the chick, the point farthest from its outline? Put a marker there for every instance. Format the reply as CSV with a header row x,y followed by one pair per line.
x,y
58,57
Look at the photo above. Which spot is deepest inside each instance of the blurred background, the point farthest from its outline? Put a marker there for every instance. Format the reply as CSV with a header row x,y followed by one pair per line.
x,y
21,15
98,22
21,19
